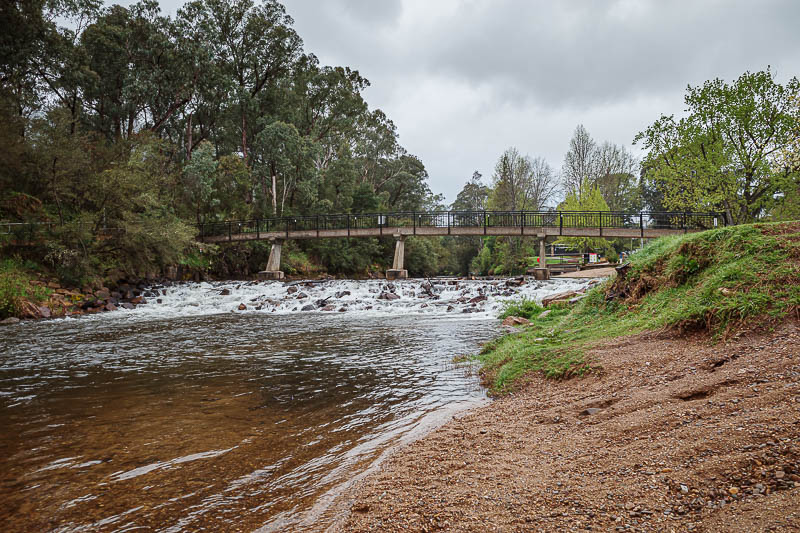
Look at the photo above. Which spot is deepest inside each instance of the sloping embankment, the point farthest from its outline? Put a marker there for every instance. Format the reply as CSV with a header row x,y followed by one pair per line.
x,y
686,416
723,282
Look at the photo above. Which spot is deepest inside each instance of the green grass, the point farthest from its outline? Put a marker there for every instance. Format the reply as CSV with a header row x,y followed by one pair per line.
x,y
524,308
720,281
15,288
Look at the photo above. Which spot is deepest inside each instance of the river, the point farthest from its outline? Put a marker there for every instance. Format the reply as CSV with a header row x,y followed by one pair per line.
x,y
188,413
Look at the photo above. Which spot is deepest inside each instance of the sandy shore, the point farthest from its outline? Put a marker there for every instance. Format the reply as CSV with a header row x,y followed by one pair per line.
x,y
672,434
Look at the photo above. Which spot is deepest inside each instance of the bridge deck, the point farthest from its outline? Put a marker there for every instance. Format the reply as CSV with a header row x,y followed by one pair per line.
x,y
466,223
505,231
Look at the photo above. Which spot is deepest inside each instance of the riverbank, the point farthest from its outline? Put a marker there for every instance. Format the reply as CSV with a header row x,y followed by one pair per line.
x,y
667,399
674,434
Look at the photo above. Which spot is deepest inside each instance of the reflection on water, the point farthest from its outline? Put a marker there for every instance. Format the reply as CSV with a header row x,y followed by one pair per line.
x,y
219,422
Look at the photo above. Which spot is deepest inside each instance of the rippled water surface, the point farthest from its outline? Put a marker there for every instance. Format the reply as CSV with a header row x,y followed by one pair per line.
x,y
179,421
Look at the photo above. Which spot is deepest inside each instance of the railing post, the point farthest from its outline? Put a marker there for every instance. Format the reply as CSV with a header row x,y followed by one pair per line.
x,y
414,221
600,224
684,222
448,222
229,231
317,226
348,224
287,227
641,224
560,223
258,230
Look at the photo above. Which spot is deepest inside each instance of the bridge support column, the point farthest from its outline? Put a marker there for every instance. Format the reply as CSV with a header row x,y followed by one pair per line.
x,y
542,272
397,271
273,270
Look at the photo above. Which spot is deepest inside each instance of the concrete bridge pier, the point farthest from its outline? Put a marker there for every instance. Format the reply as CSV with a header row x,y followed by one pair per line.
x,y
273,270
397,271
542,272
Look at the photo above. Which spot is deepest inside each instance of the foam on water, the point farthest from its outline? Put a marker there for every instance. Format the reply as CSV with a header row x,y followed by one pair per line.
x,y
479,299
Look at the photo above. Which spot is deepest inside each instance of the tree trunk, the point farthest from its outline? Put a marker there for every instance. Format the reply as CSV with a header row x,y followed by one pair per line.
x,y
189,138
244,137
274,175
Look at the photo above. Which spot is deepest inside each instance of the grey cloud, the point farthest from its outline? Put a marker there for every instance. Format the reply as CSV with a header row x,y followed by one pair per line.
x,y
569,53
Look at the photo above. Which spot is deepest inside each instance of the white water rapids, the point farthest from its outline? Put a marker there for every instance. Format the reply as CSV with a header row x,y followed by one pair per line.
x,y
479,299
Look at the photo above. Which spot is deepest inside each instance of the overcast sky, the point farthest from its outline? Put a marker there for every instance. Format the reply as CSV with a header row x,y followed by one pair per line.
x,y
465,79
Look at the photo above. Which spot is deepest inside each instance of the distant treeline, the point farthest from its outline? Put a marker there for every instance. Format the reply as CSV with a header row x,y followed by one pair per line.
x,y
121,118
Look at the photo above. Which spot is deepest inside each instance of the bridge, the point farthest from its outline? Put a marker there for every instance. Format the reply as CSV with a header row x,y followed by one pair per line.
x,y
536,224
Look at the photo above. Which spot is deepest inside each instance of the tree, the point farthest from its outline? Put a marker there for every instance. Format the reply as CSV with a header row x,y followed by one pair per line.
x,y
615,175
579,161
473,196
589,199
725,154
256,47
521,183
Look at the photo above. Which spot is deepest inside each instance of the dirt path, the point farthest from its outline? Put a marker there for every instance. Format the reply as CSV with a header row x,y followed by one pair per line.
x,y
674,434
589,273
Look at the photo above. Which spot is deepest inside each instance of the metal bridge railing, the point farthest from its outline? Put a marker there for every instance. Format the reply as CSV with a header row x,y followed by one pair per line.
x,y
462,219
29,231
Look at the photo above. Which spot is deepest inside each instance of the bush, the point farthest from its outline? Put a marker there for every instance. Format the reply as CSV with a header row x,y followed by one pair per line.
x,y
15,289
524,308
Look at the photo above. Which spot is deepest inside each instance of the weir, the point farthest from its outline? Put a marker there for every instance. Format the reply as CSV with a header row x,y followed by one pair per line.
x,y
541,225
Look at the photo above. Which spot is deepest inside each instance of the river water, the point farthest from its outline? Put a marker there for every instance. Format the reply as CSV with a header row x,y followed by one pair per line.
x,y
187,413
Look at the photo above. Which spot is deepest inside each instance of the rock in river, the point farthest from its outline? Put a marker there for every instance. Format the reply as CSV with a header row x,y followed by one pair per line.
x,y
388,296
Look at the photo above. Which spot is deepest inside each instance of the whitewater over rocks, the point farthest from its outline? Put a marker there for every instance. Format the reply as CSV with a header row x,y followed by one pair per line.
x,y
455,297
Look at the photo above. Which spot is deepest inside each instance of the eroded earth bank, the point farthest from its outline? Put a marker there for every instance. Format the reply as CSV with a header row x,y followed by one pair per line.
x,y
675,434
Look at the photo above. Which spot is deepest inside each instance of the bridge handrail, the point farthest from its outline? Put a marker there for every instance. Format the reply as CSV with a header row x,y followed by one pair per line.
x,y
675,220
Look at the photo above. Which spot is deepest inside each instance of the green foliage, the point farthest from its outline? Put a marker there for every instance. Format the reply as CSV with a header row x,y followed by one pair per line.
x,y
722,281
296,262
588,198
15,288
130,126
729,153
524,308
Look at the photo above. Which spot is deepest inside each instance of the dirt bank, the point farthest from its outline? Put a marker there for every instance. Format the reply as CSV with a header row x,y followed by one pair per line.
x,y
673,434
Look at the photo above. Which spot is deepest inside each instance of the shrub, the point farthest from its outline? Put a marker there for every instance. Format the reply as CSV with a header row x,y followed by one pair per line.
x,y
524,308
15,289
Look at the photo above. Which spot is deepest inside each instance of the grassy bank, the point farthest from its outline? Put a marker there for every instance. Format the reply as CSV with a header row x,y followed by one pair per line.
x,y
16,289
722,281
